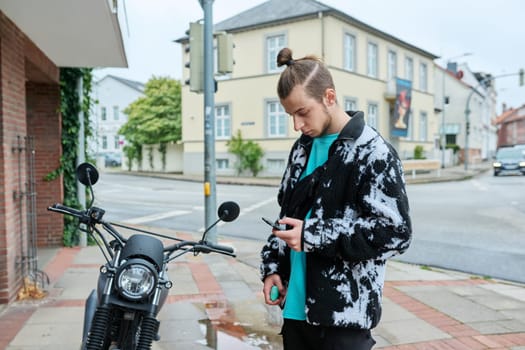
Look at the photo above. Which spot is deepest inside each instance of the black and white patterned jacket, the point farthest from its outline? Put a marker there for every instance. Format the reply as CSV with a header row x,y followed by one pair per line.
x,y
359,218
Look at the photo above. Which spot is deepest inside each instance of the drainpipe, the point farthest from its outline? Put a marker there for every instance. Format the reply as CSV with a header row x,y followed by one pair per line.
x,y
321,17
81,190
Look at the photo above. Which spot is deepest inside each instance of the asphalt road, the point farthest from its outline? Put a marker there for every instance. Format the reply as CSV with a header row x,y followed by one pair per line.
x,y
474,226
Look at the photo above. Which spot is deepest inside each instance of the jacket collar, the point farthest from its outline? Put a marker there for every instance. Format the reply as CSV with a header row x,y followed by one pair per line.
x,y
354,128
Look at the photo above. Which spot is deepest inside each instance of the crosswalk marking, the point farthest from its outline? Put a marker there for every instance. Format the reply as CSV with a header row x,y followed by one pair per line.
x,y
158,216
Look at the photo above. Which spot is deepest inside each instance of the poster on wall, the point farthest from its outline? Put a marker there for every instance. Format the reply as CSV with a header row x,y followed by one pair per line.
x,y
401,116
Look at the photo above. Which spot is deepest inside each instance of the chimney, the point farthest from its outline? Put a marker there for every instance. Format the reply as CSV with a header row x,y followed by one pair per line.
x,y
452,67
503,107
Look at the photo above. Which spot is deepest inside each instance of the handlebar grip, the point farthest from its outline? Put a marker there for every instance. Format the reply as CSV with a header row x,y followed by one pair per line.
x,y
222,248
69,210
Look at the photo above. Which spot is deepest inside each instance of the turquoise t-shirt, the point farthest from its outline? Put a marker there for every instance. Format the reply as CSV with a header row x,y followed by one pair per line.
x,y
296,294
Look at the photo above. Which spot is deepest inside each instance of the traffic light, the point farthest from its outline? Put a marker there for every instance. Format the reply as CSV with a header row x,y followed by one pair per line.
x,y
522,72
224,53
468,128
195,49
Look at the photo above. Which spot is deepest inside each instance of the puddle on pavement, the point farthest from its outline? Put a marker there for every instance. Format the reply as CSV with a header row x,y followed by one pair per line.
x,y
221,336
222,331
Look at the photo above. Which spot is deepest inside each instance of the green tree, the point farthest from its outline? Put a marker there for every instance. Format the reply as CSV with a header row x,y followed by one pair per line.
x,y
249,154
154,118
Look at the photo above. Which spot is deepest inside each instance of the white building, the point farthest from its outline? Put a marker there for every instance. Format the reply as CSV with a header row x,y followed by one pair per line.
x,y
112,95
458,85
482,139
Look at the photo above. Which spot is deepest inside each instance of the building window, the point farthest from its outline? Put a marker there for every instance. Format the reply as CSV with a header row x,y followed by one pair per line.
x,y
274,44
410,127
103,113
423,126
275,165
372,60
115,113
409,68
372,116
350,104
349,52
116,142
222,164
423,77
104,142
222,122
392,65
277,120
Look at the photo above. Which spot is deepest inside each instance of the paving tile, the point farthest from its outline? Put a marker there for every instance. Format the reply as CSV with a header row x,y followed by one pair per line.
x,y
397,271
61,335
508,289
409,331
449,303
393,312
497,301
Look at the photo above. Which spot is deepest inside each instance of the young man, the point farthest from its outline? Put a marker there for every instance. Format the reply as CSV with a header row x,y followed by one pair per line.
x,y
345,208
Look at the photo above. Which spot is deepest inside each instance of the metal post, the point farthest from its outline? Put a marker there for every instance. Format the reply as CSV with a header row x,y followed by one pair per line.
x,y
81,156
467,129
442,136
210,198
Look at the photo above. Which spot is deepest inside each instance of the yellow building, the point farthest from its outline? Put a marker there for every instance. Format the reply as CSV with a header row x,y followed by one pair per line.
x,y
363,61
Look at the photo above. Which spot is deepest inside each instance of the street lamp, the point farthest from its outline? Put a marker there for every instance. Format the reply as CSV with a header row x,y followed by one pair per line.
x,y
442,136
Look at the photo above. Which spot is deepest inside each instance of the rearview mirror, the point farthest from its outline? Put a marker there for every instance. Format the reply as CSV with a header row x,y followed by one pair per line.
x,y
228,211
87,174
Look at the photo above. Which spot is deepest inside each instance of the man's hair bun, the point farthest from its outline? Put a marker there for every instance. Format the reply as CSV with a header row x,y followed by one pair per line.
x,y
285,57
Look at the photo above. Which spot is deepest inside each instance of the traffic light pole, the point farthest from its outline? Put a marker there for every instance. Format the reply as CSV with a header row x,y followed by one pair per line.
x,y
210,198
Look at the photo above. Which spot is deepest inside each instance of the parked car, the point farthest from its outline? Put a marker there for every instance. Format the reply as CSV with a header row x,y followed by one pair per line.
x,y
509,159
112,159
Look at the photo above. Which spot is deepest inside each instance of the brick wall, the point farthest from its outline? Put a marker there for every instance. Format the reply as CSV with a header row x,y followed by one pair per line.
x,y
44,125
13,125
20,62
512,132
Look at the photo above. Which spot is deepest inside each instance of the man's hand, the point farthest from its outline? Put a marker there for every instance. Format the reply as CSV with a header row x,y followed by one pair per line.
x,y
293,236
273,280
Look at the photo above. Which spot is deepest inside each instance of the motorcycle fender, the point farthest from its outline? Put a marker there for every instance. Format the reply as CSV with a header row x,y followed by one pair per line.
x,y
89,312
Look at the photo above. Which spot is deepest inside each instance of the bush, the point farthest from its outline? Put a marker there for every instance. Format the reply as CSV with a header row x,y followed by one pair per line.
x,y
249,154
455,148
419,152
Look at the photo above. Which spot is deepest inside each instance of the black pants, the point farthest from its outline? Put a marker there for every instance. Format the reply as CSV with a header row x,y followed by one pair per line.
x,y
299,335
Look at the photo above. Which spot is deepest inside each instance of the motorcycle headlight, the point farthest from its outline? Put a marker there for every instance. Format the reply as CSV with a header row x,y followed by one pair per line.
x,y
136,279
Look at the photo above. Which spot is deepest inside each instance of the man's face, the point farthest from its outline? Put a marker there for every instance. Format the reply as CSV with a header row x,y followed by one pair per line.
x,y
309,115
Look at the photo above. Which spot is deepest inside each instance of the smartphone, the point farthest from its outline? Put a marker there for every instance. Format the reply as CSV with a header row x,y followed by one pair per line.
x,y
273,224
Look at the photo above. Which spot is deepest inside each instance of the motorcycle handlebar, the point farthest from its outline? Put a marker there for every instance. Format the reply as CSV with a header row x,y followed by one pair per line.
x,y
197,247
220,248
57,207
201,247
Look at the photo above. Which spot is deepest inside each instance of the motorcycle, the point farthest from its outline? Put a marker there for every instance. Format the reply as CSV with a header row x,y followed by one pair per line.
x,y
121,313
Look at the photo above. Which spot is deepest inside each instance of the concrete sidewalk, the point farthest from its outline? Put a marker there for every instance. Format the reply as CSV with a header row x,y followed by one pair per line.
x,y
455,173
216,303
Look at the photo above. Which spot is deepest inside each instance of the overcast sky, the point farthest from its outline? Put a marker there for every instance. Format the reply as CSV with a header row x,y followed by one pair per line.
x,y
492,30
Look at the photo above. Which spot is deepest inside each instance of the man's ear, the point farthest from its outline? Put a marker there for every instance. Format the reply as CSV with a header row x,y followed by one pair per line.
x,y
330,97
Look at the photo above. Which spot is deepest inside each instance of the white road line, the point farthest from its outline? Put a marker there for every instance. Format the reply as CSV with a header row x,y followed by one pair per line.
x,y
479,185
158,216
249,209
258,205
